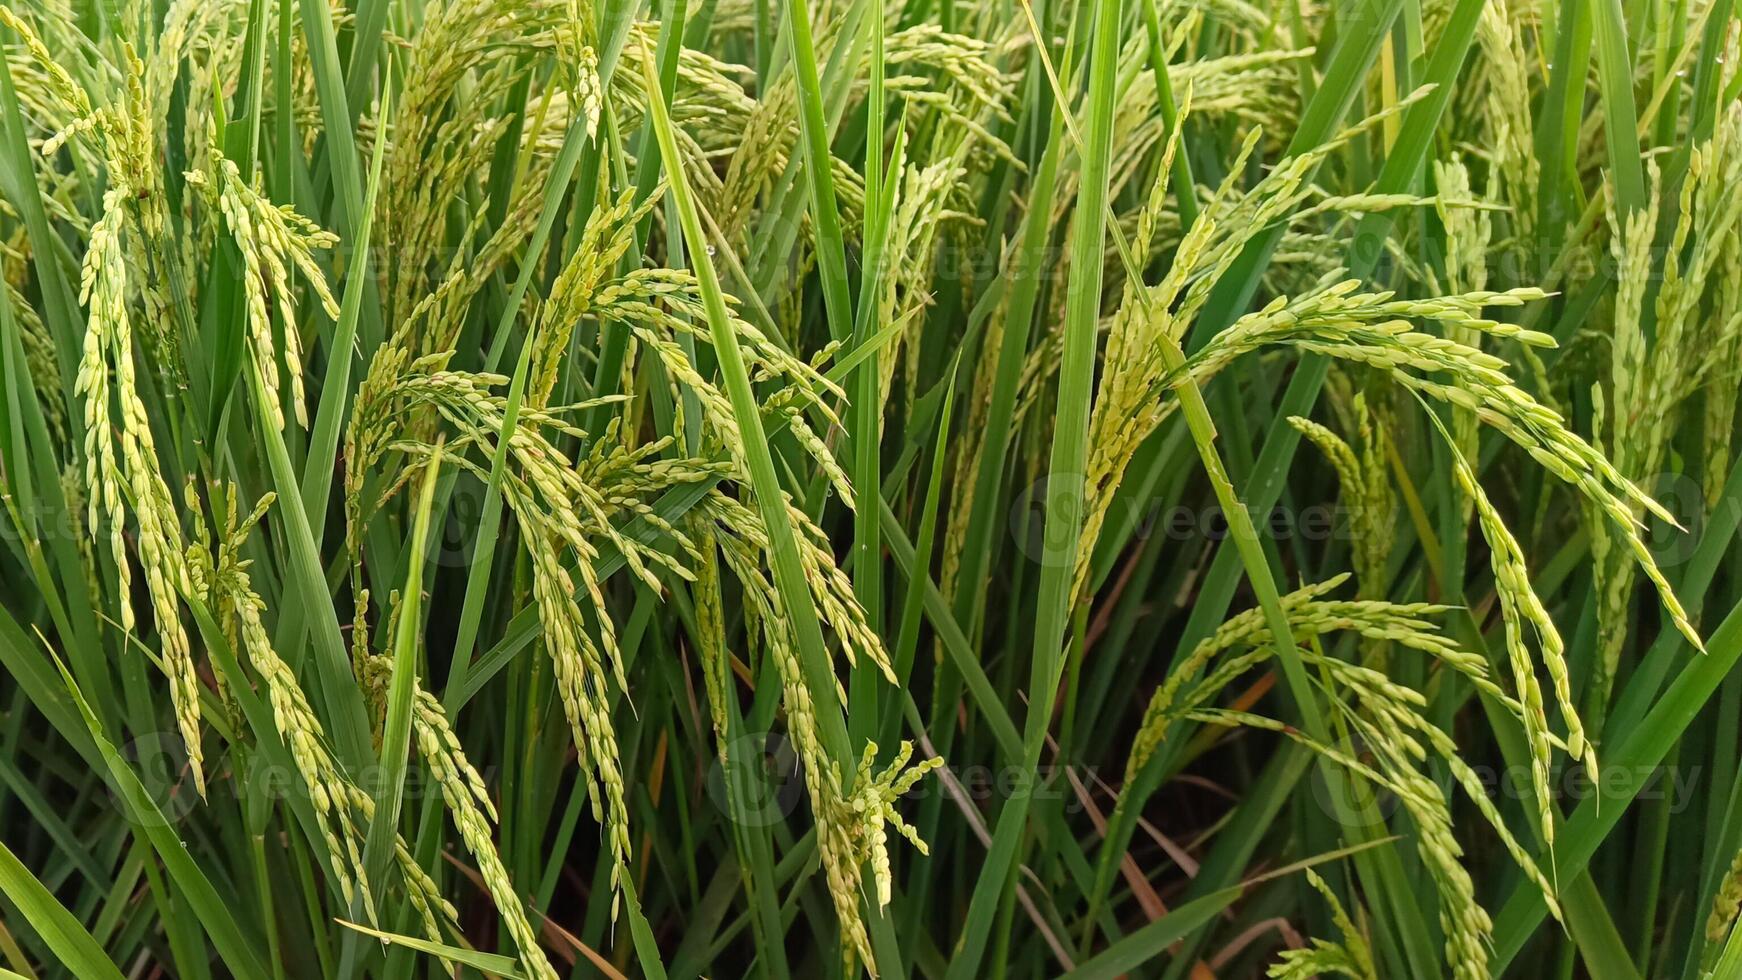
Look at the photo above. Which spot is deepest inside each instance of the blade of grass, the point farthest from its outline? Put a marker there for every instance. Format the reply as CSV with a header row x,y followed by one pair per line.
x,y
1620,119
907,637
338,120
1151,940
867,403
345,714
396,730
1068,462
818,164
336,386
488,963
64,936
758,459
236,949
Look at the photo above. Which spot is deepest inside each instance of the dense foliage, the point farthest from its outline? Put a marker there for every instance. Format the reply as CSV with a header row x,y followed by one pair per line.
x,y
809,487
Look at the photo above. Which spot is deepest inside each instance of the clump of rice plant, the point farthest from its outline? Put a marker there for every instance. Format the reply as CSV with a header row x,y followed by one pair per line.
x,y
535,488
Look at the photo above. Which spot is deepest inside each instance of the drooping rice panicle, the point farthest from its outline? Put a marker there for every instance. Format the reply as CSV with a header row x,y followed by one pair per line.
x,y
1519,605
272,241
822,364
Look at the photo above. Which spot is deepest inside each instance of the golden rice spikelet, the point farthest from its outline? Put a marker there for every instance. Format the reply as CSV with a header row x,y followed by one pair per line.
x,y
1726,903
1366,490
851,827
1518,605
1387,721
870,809
1352,958
272,240
1659,355
133,472
469,806
223,577
711,630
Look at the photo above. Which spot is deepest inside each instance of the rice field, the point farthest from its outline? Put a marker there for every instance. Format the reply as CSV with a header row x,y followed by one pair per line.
x,y
1012,488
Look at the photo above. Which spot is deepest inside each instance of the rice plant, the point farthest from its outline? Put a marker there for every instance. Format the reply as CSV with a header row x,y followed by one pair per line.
x,y
1016,488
